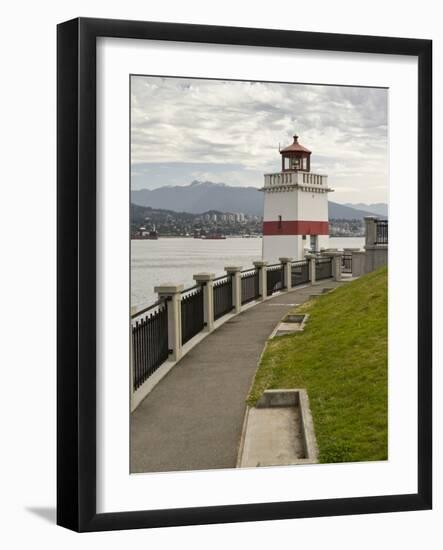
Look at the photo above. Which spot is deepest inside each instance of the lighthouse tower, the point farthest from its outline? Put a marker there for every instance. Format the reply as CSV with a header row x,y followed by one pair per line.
x,y
295,207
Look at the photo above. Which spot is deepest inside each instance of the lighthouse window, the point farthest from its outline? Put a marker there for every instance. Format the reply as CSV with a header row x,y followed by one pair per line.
x,y
279,222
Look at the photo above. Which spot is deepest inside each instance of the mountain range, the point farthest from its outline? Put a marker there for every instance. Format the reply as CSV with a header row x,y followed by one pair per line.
x,y
202,196
377,208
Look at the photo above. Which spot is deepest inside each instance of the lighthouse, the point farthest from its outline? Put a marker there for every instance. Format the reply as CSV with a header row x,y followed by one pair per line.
x,y
295,217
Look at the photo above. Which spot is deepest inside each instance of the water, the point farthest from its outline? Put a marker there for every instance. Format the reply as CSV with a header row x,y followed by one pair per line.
x,y
176,260
346,242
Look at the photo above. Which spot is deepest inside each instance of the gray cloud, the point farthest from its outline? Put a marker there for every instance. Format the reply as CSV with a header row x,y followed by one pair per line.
x,y
230,131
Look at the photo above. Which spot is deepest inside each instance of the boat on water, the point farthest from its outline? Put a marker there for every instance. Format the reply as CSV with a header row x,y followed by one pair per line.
x,y
143,234
215,237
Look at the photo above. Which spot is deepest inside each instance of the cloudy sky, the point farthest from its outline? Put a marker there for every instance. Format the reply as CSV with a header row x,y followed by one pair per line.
x,y
221,131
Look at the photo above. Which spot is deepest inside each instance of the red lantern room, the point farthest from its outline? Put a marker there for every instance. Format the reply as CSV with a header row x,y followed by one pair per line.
x,y
295,157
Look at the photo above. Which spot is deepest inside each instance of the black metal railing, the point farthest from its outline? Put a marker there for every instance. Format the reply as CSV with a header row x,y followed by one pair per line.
x,y
346,263
323,268
222,296
381,236
249,286
149,341
275,278
192,316
299,272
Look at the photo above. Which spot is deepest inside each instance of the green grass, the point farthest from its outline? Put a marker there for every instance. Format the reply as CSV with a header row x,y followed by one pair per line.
x,y
341,359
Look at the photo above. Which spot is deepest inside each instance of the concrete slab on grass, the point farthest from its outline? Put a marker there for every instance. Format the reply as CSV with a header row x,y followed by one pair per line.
x,y
279,431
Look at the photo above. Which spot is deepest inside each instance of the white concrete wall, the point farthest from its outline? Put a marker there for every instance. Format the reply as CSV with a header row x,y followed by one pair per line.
x,y
279,246
312,206
296,204
280,203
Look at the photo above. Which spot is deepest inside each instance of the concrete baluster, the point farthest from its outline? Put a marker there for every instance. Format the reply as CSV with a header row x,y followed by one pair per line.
x,y
287,270
358,263
311,263
262,278
172,293
235,273
337,260
207,281
370,230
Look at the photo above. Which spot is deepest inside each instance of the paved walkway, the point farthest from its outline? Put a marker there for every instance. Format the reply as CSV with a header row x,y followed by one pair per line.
x,y
192,420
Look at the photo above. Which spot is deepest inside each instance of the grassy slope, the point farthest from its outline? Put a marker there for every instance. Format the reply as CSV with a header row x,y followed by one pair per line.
x,y
341,359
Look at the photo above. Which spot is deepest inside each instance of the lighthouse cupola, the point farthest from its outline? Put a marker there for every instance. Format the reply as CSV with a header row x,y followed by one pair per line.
x,y
295,157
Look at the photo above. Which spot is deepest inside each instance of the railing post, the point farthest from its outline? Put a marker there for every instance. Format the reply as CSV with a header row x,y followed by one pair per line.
x,y
370,230
358,263
311,263
207,281
172,293
235,273
336,265
287,276
262,278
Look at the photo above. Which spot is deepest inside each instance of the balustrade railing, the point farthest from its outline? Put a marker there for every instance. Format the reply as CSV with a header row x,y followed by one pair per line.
x,y
381,232
222,296
275,278
155,329
192,315
346,263
299,272
149,341
249,286
323,268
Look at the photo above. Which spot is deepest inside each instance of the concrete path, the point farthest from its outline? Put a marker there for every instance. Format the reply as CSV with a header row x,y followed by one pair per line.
x,y
192,420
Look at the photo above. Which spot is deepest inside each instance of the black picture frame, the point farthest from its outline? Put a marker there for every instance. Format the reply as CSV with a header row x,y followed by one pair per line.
x,y
76,265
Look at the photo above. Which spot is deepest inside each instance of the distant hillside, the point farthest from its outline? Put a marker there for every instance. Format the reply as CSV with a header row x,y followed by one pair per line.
x,y
139,214
199,197
342,212
378,208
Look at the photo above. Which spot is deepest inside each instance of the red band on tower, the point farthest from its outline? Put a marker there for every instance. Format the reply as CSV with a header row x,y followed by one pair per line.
x,y
299,227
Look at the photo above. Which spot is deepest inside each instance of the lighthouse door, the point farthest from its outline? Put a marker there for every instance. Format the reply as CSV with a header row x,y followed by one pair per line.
x,y
314,243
